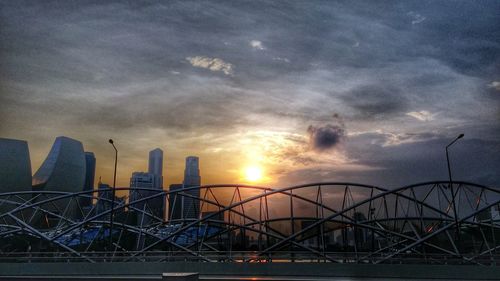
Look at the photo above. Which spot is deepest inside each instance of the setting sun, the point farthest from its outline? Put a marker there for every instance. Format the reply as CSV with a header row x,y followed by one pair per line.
x,y
253,173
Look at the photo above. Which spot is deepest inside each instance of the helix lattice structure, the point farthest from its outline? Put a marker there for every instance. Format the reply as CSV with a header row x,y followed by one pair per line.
x,y
433,223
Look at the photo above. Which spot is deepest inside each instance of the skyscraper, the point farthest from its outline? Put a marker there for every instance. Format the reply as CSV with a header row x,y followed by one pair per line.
x,y
191,206
15,166
156,166
175,203
105,196
15,171
89,178
153,206
192,171
153,179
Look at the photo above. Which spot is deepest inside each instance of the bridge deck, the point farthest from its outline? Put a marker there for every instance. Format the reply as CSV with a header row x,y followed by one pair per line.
x,y
240,271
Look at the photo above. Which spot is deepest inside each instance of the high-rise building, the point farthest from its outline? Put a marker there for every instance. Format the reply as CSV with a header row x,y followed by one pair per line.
x,y
175,203
104,201
15,171
15,166
63,170
142,180
192,171
89,178
191,205
184,204
361,234
151,180
156,166
153,206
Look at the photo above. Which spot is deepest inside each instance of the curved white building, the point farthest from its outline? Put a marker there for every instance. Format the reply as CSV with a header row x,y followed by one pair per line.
x,y
15,166
63,169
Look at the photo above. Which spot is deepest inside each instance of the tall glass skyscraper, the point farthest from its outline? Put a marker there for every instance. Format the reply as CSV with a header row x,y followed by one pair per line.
x,y
89,178
153,179
156,166
184,203
191,206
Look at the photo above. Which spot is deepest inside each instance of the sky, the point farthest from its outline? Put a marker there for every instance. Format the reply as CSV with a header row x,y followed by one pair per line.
x,y
305,91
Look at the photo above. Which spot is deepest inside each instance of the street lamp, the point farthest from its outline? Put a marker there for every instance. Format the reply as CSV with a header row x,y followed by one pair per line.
x,y
113,197
448,158
457,225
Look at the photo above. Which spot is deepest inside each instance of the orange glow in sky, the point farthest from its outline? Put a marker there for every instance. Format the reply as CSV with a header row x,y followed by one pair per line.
x,y
253,173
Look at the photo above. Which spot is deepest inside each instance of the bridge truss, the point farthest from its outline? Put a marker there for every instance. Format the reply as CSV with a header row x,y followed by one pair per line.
x,y
432,223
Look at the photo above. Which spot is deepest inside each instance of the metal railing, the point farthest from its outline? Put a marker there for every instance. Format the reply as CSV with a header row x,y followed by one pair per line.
x,y
239,256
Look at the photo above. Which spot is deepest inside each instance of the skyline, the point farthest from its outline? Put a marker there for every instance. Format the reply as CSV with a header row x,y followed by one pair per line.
x,y
319,91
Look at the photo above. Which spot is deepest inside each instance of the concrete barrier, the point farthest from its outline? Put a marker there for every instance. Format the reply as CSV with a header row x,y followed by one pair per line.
x,y
462,272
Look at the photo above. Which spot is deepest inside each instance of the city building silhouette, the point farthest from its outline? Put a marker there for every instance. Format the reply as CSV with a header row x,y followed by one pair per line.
x,y
155,166
15,166
90,163
191,205
184,204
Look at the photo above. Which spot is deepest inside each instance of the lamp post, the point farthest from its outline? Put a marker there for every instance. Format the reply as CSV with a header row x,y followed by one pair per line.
x,y
450,185
448,158
113,197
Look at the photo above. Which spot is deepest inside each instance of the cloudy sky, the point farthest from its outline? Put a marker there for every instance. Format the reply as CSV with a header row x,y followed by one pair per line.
x,y
308,91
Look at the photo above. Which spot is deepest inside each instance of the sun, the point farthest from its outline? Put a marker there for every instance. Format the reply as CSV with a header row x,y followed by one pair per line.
x,y
253,173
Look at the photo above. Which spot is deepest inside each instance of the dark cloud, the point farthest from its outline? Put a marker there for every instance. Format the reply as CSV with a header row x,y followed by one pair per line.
x,y
375,101
325,137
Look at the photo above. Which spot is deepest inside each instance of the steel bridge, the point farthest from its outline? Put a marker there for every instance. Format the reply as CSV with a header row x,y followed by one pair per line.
x,y
427,223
